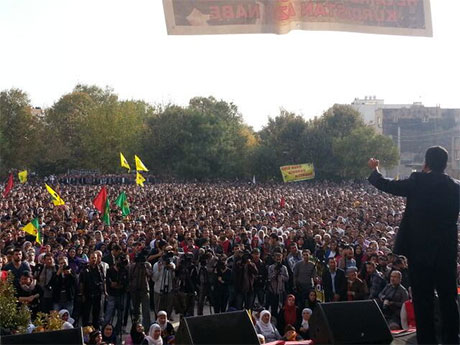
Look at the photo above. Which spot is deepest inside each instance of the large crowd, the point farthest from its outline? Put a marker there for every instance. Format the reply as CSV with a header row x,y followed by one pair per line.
x,y
277,250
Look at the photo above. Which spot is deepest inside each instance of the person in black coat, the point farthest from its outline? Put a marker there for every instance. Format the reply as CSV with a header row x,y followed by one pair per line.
x,y
428,238
336,276
289,314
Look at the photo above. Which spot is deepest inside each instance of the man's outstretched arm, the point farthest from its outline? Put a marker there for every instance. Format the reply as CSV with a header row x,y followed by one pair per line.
x,y
395,187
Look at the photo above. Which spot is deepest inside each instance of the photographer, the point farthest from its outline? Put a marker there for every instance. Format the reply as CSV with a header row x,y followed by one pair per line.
x,y
221,287
92,287
163,274
186,285
277,277
204,279
116,283
64,286
244,273
139,274
45,274
261,279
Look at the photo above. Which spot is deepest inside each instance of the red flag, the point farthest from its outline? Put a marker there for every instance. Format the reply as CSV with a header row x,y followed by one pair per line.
x,y
100,200
9,186
282,202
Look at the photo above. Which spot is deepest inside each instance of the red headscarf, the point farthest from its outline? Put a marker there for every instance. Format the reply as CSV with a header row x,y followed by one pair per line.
x,y
290,314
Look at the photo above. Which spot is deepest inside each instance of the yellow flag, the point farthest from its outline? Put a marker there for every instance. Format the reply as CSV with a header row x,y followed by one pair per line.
x,y
22,175
57,201
32,227
139,165
139,179
124,162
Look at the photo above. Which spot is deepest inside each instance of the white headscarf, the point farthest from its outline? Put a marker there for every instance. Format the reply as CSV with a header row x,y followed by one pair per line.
x,y
304,322
69,320
165,324
150,339
265,328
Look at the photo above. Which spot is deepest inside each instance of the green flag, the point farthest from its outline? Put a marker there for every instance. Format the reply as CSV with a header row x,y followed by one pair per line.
x,y
32,227
122,203
106,216
39,237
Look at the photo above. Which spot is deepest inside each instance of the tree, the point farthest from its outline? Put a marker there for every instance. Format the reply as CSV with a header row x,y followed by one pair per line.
x,y
336,123
281,143
19,131
353,151
66,122
207,139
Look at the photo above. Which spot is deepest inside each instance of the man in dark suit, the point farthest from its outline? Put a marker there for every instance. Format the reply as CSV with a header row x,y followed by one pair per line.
x,y
428,238
334,282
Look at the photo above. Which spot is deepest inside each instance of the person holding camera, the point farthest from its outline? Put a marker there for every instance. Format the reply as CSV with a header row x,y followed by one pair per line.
x,y
244,274
64,286
186,285
45,274
277,277
139,274
92,287
204,283
163,275
116,284
221,287
260,281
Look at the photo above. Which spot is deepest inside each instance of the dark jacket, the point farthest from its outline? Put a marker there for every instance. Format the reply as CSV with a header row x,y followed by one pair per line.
x,y
359,288
429,224
281,322
340,285
67,283
244,276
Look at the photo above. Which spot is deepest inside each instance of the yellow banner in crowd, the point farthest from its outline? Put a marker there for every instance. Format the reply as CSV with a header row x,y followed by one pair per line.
x,y
389,17
299,172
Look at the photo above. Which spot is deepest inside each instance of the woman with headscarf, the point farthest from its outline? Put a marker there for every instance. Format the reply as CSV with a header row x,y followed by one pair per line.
x,y
304,329
65,316
95,338
288,315
108,335
154,336
137,335
265,327
312,301
167,329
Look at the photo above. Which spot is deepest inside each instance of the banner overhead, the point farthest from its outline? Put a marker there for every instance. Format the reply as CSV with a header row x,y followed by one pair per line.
x,y
389,17
299,172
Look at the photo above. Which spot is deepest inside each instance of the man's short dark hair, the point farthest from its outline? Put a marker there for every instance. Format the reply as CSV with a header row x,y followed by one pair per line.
x,y
436,158
116,247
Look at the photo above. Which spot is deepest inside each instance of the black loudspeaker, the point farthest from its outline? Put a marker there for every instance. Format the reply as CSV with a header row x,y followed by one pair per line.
x,y
358,322
64,337
218,329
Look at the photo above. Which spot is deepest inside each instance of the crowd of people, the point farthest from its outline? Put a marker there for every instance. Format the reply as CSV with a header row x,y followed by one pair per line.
x,y
277,250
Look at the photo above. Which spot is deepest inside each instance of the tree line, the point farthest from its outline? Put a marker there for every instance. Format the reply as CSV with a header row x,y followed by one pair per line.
x,y
207,139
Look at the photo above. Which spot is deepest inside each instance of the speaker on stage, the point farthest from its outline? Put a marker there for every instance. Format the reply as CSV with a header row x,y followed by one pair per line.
x,y
65,337
218,329
357,322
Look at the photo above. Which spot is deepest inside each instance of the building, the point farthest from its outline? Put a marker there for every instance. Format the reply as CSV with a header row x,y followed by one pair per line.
x,y
37,111
414,128
368,107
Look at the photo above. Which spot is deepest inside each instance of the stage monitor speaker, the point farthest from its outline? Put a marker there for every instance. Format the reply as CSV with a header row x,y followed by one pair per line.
x,y
218,329
357,322
65,337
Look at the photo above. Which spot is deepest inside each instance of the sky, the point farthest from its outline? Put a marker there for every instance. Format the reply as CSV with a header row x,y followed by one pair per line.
x,y
49,46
